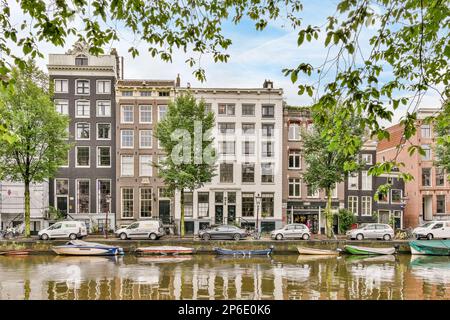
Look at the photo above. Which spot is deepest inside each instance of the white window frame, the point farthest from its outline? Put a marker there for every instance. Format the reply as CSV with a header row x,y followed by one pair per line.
x,y
316,195
365,157
426,127
401,196
76,131
121,139
77,207
105,81
354,175
121,202
355,206
140,165
122,113
56,101
334,191
67,85
151,139
140,202
366,180
297,181
243,148
295,153
98,155
223,147
76,87
159,110
76,157
68,160
363,200
97,192
97,131
248,104
151,113
108,114
227,105
430,153
296,132
76,109
122,156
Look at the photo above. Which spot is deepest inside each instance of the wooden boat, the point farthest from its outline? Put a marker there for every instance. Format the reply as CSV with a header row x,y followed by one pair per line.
x,y
367,250
164,250
244,252
23,252
83,248
430,247
163,259
314,251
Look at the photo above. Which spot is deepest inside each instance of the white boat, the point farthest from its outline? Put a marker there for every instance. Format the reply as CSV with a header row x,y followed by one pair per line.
x,y
164,250
83,248
314,251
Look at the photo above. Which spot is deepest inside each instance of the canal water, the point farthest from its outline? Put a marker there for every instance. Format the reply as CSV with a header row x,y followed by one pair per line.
x,y
213,277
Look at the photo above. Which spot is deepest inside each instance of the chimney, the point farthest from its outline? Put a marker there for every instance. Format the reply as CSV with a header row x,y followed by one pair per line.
x,y
118,67
188,85
268,84
178,81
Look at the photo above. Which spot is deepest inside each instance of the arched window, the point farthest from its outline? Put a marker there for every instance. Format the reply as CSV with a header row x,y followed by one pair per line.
x,y
81,60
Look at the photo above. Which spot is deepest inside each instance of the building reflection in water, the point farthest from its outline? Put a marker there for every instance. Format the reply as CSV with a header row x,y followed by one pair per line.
x,y
209,277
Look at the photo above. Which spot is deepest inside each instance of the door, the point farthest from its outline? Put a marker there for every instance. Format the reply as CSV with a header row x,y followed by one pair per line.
x,y
231,214
219,214
62,204
383,216
164,211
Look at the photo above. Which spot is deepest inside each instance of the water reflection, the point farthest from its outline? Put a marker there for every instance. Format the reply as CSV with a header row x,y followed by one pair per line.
x,y
210,277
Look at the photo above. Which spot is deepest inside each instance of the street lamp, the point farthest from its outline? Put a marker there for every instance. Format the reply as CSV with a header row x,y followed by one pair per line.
x,y
258,203
108,201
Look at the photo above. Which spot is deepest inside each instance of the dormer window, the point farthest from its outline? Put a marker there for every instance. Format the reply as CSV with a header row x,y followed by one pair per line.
x,y
81,60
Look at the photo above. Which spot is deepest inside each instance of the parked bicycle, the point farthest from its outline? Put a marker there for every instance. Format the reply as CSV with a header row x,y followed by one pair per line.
x,y
9,233
404,234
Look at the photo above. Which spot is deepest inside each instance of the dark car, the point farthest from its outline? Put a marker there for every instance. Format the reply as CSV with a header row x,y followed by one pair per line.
x,y
223,232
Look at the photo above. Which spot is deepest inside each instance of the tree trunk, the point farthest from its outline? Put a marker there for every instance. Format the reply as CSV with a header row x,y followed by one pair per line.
x,y
328,215
182,214
27,209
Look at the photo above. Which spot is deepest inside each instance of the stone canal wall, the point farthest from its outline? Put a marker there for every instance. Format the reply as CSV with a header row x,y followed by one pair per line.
x,y
207,247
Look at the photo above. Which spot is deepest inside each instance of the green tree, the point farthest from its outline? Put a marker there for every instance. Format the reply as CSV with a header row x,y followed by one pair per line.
x,y
346,219
164,26
442,129
41,134
185,135
325,165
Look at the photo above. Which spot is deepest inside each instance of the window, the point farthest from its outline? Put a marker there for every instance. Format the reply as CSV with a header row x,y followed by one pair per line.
x,y
145,114
103,156
145,138
248,172
366,181
145,166
103,131
366,158
426,148
83,108
334,191
145,93
248,109
226,172
127,166
426,177
218,197
311,193
127,93
425,131
163,93
267,204
440,177
83,196
126,114
208,108
62,106
81,60
161,160
61,86
294,159
226,109
353,181
294,131
440,203
267,172
294,187
227,147
203,204
188,204
66,163
145,195
268,111
127,202
103,86
366,205
127,138
82,86
83,131
61,187
267,149
226,127
248,128
162,111
82,155
353,204
248,148
267,129
104,108
248,205
383,197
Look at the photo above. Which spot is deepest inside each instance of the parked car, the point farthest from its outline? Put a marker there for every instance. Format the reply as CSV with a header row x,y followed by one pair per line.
x,y
148,229
292,231
223,232
433,229
372,231
64,229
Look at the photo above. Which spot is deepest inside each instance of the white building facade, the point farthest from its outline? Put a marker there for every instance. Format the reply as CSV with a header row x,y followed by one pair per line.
x,y
247,188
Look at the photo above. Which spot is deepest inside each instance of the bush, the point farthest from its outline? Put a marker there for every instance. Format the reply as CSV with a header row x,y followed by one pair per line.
x,y
346,219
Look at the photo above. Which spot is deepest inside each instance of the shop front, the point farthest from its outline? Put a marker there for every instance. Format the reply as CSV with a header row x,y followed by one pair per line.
x,y
309,213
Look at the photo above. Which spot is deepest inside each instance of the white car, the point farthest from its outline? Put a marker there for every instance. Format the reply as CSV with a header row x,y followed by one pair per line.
x,y
64,229
372,231
147,229
292,231
433,229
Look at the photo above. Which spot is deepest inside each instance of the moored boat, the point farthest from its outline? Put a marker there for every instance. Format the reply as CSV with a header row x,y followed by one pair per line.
x,y
430,247
314,251
244,252
164,250
23,252
367,250
83,248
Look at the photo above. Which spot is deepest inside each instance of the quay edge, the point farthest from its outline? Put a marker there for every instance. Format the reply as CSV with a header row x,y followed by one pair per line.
x,y
206,247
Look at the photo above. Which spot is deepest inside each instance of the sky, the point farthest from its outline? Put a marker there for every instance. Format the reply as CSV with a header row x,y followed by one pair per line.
x,y
254,57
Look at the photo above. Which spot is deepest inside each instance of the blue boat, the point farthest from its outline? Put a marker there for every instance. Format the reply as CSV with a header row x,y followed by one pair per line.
x,y
430,247
244,252
83,248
